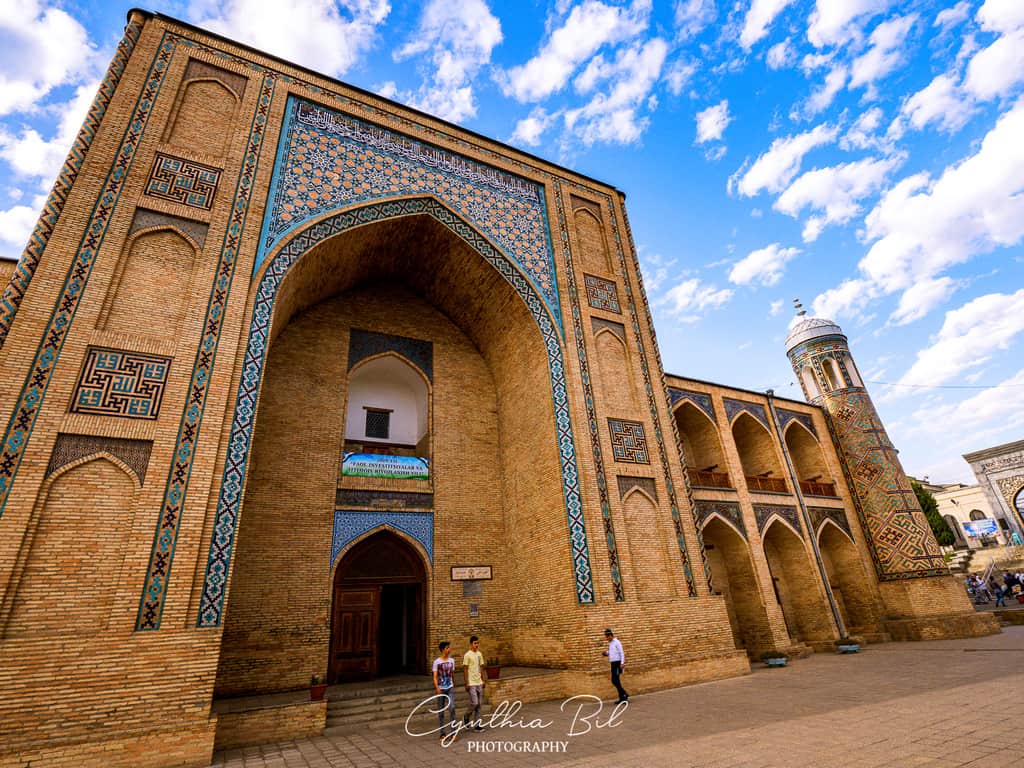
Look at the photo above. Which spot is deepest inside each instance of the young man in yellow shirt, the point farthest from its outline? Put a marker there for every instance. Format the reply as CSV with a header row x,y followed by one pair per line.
x,y
472,670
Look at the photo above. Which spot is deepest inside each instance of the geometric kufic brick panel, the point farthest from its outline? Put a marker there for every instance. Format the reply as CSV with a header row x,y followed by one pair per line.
x,y
629,444
118,383
69,448
183,181
601,293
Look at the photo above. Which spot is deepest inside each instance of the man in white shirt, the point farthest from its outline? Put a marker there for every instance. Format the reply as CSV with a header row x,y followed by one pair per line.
x,y
617,657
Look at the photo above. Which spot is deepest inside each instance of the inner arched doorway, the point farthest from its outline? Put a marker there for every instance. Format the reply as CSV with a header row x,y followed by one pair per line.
x,y
796,585
378,625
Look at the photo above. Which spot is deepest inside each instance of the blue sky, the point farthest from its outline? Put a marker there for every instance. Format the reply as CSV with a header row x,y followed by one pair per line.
x,y
866,156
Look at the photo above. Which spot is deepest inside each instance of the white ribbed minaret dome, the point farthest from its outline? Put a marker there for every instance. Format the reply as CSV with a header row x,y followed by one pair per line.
x,y
808,328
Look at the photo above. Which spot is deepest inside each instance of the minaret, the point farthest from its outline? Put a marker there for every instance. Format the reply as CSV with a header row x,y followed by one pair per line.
x,y
922,600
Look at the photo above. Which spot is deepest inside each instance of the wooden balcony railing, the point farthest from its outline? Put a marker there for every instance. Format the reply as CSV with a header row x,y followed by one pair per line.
x,y
709,479
817,489
771,484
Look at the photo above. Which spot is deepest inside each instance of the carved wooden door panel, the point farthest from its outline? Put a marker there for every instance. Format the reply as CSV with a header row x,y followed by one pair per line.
x,y
354,634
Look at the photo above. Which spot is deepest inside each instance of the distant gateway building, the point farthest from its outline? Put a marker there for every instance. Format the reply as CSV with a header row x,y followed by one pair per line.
x,y
295,380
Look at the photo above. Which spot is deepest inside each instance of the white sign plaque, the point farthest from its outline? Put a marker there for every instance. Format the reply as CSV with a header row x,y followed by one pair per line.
x,y
471,572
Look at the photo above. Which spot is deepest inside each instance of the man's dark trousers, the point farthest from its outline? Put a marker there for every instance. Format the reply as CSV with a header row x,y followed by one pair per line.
x,y
616,671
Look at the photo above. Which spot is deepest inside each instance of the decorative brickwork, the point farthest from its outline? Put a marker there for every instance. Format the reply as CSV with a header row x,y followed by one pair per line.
x,y
222,541
820,514
166,536
629,444
727,510
787,416
364,344
33,392
70,448
588,394
327,161
384,499
700,399
145,219
183,181
349,525
198,70
645,484
735,407
600,324
601,293
118,383
765,512
15,290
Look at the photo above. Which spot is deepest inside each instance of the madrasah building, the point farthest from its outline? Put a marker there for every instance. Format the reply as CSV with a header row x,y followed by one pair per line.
x,y
297,381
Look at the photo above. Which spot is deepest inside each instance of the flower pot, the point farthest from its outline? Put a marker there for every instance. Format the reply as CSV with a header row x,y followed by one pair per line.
x,y
317,691
493,672
775,662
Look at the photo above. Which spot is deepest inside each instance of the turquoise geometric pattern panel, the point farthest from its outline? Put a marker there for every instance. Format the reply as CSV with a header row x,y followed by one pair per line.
x,y
183,181
803,418
699,399
349,525
118,383
328,161
37,382
765,512
736,407
820,514
211,607
727,510
165,538
601,293
629,444
898,534
15,290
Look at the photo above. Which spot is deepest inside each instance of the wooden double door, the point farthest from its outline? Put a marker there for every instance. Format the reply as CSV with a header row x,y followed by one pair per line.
x,y
378,617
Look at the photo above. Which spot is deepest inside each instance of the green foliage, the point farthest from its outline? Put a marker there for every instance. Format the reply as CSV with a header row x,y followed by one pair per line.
x,y
931,510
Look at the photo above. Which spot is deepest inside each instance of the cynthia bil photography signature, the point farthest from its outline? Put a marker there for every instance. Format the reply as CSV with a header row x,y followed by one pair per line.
x,y
586,712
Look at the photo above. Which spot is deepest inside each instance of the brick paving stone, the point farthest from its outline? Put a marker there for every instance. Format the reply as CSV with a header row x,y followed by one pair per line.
x,y
897,705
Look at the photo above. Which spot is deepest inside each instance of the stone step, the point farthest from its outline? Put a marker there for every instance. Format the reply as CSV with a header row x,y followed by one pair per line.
x,y
389,708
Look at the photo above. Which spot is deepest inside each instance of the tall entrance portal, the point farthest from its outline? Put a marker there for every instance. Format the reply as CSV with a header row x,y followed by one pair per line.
x,y
377,619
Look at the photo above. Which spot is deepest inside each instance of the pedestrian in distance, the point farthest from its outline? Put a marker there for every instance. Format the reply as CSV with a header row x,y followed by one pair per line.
x,y
998,591
472,670
444,684
617,657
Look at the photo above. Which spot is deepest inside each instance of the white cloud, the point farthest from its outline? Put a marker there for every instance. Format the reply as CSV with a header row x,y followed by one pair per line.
x,y
940,102
776,308
921,298
32,156
835,191
16,225
981,418
43,48
832,21
693,15
821,98
780,55
678,74
613,115
588,27
921,226
326,35
968,338
774,169
760,16
861,135
712,122
848,299
459,35
1001,15
998,69
950,17
886,52
764,266
529,130
688,300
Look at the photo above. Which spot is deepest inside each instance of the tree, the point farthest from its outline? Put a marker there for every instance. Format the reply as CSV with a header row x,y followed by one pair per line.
x,y
938,523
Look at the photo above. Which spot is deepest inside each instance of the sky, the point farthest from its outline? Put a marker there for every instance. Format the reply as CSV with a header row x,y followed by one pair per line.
x,y
864,156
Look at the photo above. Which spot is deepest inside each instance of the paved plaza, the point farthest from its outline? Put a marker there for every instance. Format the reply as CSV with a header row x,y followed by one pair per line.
x,y
942,704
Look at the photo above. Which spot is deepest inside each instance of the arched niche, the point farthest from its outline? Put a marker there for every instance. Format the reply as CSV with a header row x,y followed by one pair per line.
x,y
833,375
150,290
797,587
957,529
758,455
851,586
732,573
851,369
650,578
702,447
590,236
72,564
811,387
388,405
617,390
808,461
202,120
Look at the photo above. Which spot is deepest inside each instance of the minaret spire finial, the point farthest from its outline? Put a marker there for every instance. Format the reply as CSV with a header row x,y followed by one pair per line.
x,y
800,311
